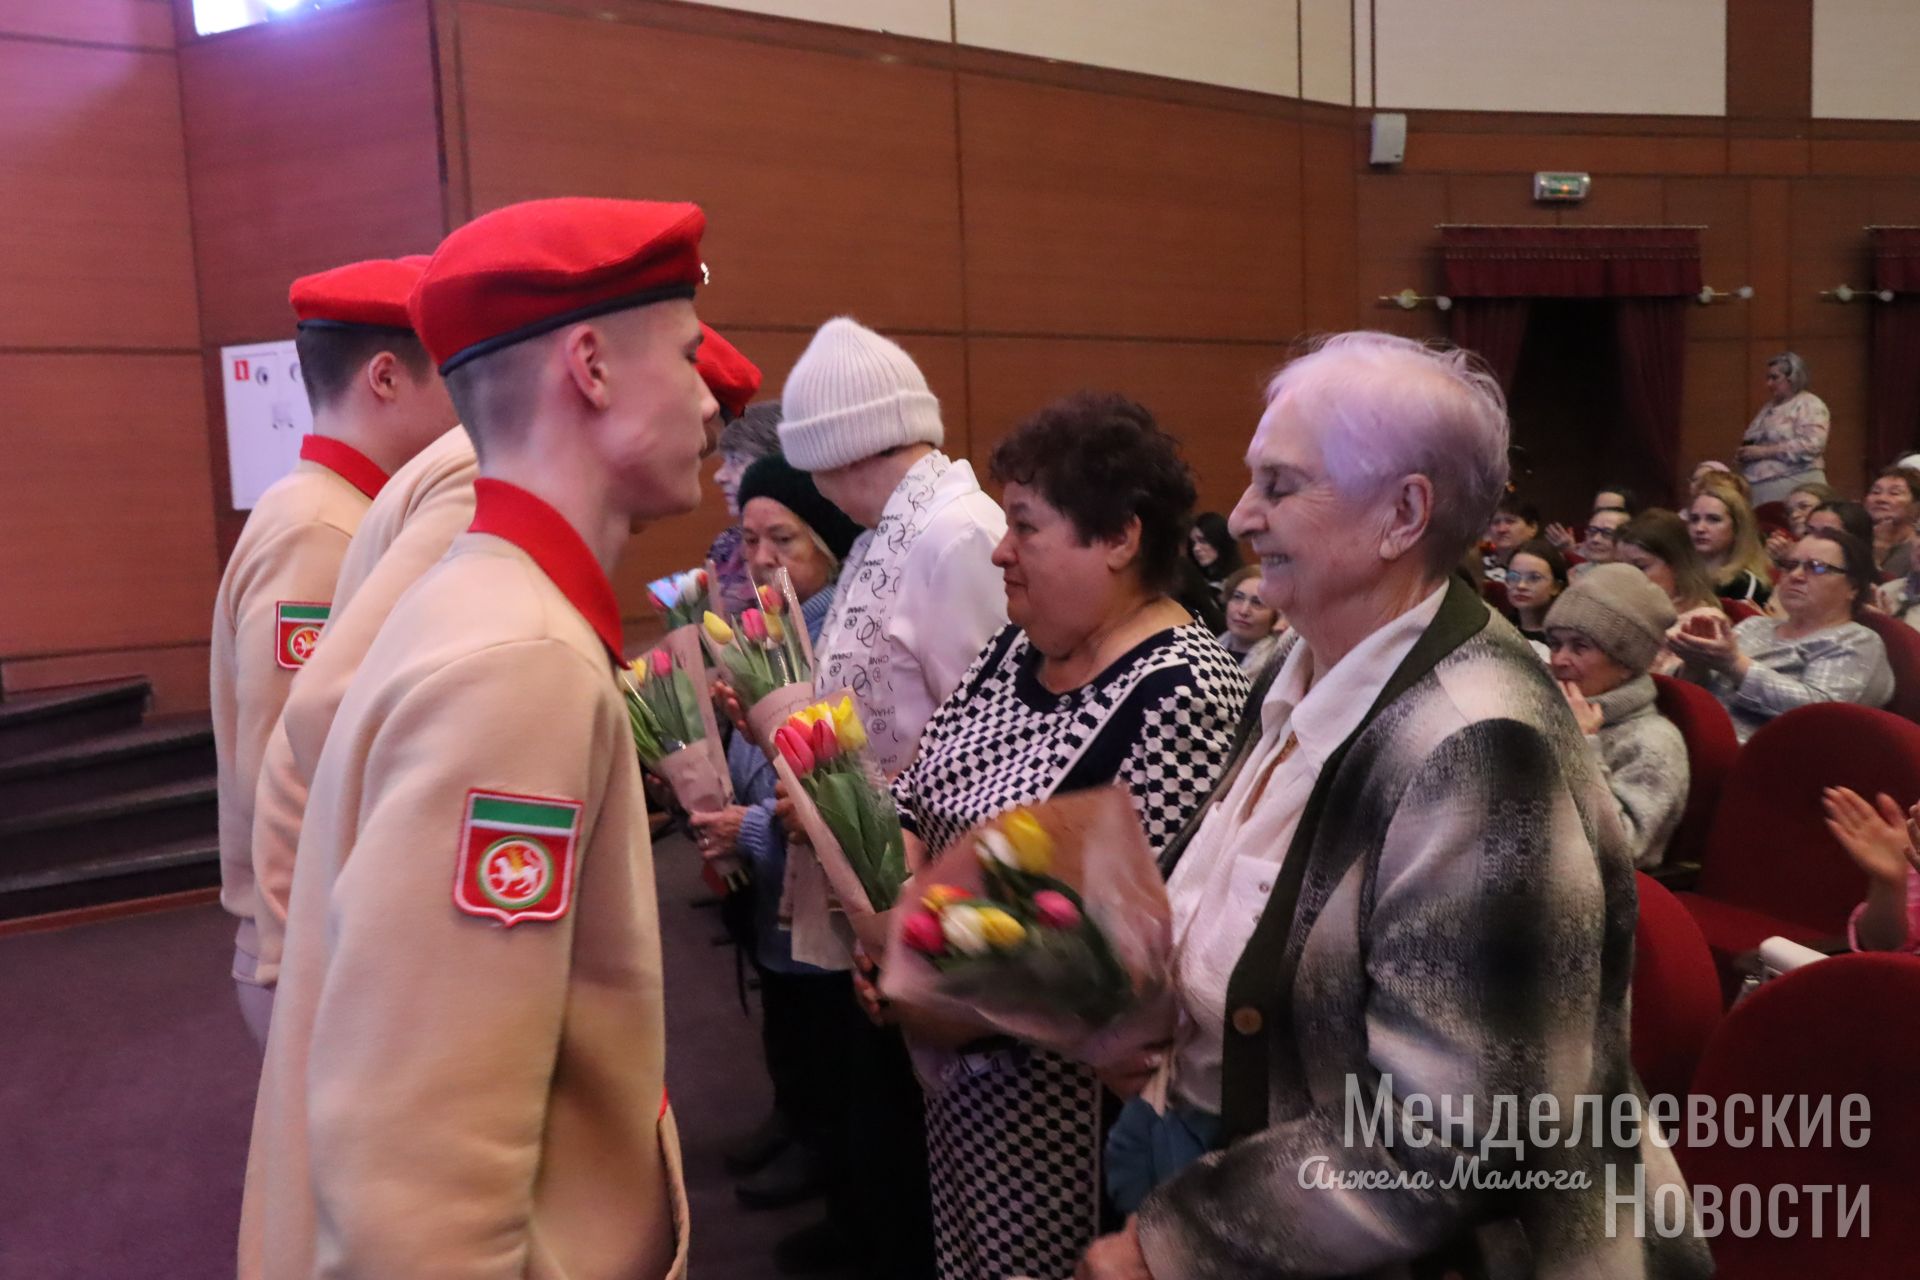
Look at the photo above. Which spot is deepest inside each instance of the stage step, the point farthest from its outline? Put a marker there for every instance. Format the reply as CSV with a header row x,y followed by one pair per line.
x,y
172,749
31,723
161,868
108,826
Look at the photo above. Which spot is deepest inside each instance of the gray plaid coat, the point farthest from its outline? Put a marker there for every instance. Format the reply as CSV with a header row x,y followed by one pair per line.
x,y
1457,911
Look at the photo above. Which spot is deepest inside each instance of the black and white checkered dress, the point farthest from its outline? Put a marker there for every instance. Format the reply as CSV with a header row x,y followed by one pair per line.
x,y
1013,1143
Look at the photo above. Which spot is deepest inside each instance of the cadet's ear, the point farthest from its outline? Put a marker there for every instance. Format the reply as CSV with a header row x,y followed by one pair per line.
x,y
583,348
383,374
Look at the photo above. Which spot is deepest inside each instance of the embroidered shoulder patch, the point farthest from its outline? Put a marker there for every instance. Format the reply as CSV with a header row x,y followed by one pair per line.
x,y
298,631
517,857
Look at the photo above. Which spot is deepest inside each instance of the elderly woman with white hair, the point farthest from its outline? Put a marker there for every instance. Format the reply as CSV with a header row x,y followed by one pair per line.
x,y
1786,444
1407,896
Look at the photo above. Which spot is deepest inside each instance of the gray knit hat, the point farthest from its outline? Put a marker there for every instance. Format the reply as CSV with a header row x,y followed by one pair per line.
x,y
852,395
1618,608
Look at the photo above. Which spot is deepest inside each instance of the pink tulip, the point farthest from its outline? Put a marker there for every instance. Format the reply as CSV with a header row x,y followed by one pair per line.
x,y
922,932
825,746
794,747
662,664
700,580
1056,910
754,624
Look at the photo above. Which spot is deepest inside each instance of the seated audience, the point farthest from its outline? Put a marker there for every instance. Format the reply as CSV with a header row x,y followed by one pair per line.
x,y
1840,516
1615,502
1598,539
1514,522
1893,502
1657,544
1800,504
1604,632
1213,550
1817,653
1712,472
1536,575
1726,536
1882,842
1254,627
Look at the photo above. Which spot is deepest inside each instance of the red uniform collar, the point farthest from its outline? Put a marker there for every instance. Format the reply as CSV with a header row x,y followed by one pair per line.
x,y
345,461
510,512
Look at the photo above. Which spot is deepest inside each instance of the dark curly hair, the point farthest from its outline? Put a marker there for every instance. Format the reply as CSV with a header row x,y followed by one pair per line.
x,y
1101,460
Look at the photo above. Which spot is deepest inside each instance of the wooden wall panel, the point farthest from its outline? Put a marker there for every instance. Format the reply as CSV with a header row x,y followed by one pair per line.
x,y
1720,397
1770,256
1089,214
1829,247
1769,62
142,24
1208,394
106,534
96,250
1719,205
309,144
830,181
178,673
1330,226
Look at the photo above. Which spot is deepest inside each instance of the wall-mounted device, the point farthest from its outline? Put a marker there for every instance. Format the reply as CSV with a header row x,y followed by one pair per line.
x,y
1562,188
1389,138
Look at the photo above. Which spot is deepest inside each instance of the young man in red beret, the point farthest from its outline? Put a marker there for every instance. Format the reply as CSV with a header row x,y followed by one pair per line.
x,y
409,527
465,1075
376,402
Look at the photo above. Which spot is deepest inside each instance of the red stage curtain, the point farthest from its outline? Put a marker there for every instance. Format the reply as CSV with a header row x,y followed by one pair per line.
x,y
1652,336
1895,369
1493,329
1570,262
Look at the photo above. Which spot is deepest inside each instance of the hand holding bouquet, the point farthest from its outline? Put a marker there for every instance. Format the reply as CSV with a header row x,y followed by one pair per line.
x,y
848,814
673,732
1049,924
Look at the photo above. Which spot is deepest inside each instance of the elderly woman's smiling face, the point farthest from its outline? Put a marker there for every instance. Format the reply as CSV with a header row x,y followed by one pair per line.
x,y
1309,537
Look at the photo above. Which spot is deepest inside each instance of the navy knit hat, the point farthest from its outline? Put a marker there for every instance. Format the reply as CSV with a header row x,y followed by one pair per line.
x,y
776,478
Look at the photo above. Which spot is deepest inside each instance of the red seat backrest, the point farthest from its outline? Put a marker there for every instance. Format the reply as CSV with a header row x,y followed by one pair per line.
x,y
1903,655
1676,991
1711,747
1739,611
1769,850
1833,1028
1772,518
1495,594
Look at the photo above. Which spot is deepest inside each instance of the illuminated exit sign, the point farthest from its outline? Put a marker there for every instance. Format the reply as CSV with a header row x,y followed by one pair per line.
x,y
1564,188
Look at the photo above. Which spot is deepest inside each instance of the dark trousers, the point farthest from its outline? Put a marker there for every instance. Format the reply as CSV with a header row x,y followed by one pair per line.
x,y
884,1200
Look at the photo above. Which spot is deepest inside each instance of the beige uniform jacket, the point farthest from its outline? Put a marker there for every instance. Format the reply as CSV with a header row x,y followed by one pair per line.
x,y
273,601
405,532
465,1076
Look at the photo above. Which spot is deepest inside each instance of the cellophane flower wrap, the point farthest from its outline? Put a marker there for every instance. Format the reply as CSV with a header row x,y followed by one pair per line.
x,y
671,714
765,655
849,815
1049,924
682,596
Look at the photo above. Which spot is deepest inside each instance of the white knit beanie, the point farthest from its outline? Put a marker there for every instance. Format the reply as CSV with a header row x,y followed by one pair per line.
x,y
852,395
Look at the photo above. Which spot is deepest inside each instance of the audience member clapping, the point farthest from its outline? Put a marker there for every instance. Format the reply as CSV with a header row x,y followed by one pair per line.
x,y
1604,632
1881,840
1514,523
1766,666
1536,575
1893,503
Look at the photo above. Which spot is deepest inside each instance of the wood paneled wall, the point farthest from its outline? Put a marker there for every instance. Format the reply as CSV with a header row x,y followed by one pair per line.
x,y
107,556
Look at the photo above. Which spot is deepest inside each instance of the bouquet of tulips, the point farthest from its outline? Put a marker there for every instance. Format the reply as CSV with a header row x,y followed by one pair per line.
x,y
1049,924
676,735
766,656
682,596
847,812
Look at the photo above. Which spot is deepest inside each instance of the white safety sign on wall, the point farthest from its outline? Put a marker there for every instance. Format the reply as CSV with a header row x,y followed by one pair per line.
x,y
267,416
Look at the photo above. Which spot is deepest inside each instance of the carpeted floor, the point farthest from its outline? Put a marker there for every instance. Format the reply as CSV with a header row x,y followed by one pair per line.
x,y
127,1079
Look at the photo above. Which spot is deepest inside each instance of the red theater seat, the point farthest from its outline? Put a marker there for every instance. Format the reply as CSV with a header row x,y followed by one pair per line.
x,y
1711,748
1812,1037
1903,655
1676,992
1770,865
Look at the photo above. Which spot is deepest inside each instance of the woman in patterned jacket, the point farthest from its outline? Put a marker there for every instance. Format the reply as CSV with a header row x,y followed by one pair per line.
x,y
1100,678
1406,894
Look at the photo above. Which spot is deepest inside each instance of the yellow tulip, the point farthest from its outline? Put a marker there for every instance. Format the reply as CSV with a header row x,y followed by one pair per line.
x,y
717,629
1030,841
847,726
1000,930
811,715
775,632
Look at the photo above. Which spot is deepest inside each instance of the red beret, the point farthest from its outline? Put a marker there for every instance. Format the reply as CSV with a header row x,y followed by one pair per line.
x,y
733,379
372,293
530,268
